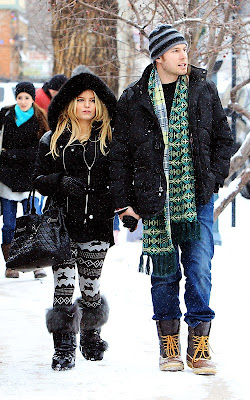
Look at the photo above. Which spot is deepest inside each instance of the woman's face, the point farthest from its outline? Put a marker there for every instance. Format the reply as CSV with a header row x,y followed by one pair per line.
x,y
24,101
85,106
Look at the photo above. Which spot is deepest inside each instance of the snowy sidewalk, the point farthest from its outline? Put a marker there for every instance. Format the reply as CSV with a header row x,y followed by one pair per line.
x,y
130,366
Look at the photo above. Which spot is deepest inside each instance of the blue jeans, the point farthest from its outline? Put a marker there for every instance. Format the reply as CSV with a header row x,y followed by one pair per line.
x,y
196,261
9,210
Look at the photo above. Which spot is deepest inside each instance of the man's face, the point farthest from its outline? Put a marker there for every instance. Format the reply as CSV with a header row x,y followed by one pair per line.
x,y
174,62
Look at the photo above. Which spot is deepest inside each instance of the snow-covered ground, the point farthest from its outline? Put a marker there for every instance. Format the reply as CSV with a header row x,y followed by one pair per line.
x,y
130,366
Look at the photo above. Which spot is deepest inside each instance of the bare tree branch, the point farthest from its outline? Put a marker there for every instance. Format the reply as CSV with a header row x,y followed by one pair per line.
x,y
239,158
232,190
234,91
221,35
241,110
116,16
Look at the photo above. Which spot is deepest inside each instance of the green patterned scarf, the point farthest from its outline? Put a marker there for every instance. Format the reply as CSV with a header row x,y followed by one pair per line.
x,y
178,222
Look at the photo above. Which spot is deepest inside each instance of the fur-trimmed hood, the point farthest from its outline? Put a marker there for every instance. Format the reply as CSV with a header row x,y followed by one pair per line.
x,y
75,86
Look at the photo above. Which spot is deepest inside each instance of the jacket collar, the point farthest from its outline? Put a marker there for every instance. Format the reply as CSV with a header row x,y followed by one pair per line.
x,y
195,75
141,86
65,136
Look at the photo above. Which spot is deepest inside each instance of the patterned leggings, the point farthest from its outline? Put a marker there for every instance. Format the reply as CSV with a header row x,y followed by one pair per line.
x,y
89,258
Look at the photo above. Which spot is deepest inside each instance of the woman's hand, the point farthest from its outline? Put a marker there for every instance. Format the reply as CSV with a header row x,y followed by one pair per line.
x,y
71,186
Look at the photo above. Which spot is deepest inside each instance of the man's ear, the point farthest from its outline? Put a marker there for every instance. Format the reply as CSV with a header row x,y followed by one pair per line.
x,y
158,60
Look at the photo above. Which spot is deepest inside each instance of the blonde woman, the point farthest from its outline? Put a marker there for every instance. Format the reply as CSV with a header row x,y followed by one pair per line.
x,y
73,171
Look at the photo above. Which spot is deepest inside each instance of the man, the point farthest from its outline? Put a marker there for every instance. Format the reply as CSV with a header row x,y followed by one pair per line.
x,y
170,152
45,94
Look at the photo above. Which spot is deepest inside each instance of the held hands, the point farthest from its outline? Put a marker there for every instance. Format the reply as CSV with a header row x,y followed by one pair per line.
x,y
130,223
130,219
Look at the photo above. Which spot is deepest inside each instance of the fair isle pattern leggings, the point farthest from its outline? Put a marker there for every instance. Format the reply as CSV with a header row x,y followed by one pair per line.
x,y
89,258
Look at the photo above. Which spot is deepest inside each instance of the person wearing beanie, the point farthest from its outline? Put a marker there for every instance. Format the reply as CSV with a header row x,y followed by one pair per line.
x,y
170,152
49,89
23,124
25,87
72,169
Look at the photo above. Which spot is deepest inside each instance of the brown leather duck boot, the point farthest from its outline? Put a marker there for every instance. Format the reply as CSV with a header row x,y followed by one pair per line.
x,y
169,339
39,273
198,356
9,273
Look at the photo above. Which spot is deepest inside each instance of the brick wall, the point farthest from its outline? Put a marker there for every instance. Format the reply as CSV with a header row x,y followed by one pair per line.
x,y
9,58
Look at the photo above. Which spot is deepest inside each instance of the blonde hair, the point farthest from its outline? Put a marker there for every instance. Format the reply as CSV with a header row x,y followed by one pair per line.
x,y
69,120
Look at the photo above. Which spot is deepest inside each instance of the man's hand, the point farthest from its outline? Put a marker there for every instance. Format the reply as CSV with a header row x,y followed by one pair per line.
x,y
129,222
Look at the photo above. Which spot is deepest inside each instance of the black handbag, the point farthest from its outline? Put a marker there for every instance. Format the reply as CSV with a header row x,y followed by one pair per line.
x,y
40,240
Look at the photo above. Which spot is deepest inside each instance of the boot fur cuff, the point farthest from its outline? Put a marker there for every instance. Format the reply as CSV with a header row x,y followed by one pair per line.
x,y
94,318
63,319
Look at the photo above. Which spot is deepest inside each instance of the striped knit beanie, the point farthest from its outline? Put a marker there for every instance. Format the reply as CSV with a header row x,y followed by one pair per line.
x,y
162,38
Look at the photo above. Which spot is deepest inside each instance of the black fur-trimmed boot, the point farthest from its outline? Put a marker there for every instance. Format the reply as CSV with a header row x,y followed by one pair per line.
x,y
63,322
92,346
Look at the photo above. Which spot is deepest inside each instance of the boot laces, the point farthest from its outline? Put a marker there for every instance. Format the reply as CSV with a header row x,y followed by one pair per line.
x,y
171,345
201,346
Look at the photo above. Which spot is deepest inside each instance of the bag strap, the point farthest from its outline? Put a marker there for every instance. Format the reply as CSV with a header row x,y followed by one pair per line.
x,y
32,209
1,138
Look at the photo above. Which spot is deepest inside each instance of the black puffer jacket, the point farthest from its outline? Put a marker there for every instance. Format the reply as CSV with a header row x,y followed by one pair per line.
x,y
137,149
90,216
84,224
20,143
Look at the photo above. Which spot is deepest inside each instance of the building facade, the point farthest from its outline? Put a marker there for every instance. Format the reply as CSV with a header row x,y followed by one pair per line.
x,y
13,37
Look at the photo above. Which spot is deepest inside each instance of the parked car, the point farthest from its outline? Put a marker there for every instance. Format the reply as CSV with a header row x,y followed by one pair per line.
x,y
7,92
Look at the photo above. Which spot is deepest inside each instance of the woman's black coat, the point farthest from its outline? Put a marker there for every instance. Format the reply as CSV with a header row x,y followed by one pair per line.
x,y
20,146
95,223
137,150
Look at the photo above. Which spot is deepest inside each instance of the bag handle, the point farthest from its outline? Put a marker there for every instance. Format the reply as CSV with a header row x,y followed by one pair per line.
x,y
32,209
1,138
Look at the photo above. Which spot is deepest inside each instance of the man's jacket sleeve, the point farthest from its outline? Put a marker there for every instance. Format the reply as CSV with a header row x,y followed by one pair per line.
x,y
222,140
121,170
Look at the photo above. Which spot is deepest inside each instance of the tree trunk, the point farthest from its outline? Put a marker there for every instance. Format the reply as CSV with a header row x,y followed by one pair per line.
x,y
82,36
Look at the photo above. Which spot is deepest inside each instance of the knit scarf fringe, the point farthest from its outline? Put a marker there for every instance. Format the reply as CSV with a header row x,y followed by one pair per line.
x,y
166,263
158,265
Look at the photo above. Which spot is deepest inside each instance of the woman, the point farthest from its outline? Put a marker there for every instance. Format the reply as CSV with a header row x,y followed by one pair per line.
x,y
73,171
22,124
